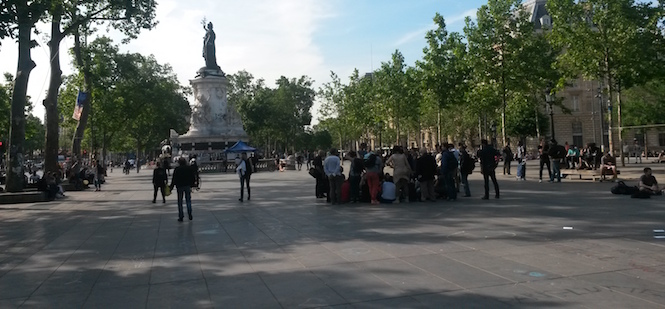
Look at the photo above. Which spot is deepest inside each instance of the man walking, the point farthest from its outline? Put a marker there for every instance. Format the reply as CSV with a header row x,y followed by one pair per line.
x,y
543,152
333,170
488,161
184,178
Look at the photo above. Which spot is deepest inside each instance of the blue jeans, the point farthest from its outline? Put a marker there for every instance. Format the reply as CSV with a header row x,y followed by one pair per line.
x,y
465,182
187,192
556,170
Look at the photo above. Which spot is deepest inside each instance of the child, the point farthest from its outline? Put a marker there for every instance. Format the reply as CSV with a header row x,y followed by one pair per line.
x,y
387,190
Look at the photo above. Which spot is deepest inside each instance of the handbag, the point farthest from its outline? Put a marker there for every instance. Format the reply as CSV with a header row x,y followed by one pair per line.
x,y
313,172
167,191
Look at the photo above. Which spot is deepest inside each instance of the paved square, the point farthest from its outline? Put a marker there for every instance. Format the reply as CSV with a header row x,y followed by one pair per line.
x,y
285,249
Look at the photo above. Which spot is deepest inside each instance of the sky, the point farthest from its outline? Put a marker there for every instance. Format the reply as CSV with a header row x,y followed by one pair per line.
x,y
270,38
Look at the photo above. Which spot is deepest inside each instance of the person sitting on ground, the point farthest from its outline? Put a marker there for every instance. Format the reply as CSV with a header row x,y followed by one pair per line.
x,y
609,164
661,157
388,190
648,182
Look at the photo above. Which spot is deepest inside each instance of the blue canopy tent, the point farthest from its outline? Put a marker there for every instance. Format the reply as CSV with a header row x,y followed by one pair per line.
x,y
240,147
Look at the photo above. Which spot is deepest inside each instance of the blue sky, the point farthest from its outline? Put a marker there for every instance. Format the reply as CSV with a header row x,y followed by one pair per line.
x,y
272,38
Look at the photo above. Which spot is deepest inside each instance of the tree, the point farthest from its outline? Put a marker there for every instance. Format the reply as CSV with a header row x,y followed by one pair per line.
x,y
67,16
137,100
445,68
496,56
622,45
17,20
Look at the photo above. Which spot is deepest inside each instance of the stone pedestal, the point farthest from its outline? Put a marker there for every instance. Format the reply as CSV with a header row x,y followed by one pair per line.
x,y
214,124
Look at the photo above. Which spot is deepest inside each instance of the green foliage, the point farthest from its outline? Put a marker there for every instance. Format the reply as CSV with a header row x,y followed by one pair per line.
x,y
5,107
645,105
272,116
136,100
524,119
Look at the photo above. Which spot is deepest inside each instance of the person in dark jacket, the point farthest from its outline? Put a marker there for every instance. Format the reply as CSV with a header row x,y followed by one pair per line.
x,y
183,179
426,171
448,167
467,164
159,180
556,153
321,180
488,157
355,175
544,155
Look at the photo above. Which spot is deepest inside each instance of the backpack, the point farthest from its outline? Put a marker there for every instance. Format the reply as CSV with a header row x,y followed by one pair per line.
x,y
623,189
371,161
468,163
358,166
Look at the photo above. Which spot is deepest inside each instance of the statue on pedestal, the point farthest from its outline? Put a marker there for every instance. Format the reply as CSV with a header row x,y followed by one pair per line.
x,y
209,53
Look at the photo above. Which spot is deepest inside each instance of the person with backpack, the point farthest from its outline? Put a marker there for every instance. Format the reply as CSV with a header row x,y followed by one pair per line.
x,y
467,165
355,174
245,170
373,168
159,180
448,168
488,163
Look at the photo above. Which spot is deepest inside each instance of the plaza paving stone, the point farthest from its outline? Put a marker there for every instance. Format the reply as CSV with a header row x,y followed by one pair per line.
x,y
286,249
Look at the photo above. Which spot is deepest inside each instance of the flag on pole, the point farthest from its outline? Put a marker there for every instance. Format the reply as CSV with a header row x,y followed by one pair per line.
x,y
80,100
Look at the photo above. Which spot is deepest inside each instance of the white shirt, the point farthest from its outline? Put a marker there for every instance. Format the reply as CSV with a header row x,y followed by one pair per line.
x,y
388,191
242,168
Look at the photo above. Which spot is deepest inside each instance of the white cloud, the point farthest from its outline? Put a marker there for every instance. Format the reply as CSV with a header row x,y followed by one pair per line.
x,y
420,33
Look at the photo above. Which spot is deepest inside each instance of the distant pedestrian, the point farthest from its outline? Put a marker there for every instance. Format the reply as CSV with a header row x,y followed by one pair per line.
x,y
244,171
557,154
488,161
543,152
373,166
183,179
159,180
425,173
448,168
355,175
333,170
321,180
98,175
521,161
467,165
507,159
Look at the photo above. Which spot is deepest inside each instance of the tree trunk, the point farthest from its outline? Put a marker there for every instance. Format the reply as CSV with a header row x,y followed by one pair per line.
x,y
15,172
620,124
87,88
51,101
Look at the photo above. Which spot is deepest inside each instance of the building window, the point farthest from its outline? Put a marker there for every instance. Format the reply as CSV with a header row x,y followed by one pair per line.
x,y
575,106
578,138
661,139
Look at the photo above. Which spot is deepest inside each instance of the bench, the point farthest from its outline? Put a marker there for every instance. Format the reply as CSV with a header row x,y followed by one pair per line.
x,y
593,174
23,197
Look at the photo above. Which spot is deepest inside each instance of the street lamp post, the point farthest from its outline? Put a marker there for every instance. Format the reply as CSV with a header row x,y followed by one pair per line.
x,y
549,98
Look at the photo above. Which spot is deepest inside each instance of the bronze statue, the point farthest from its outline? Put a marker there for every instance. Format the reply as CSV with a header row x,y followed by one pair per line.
x,y
209,53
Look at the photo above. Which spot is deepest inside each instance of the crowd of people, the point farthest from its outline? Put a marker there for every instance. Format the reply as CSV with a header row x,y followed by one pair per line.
x,y
418,175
